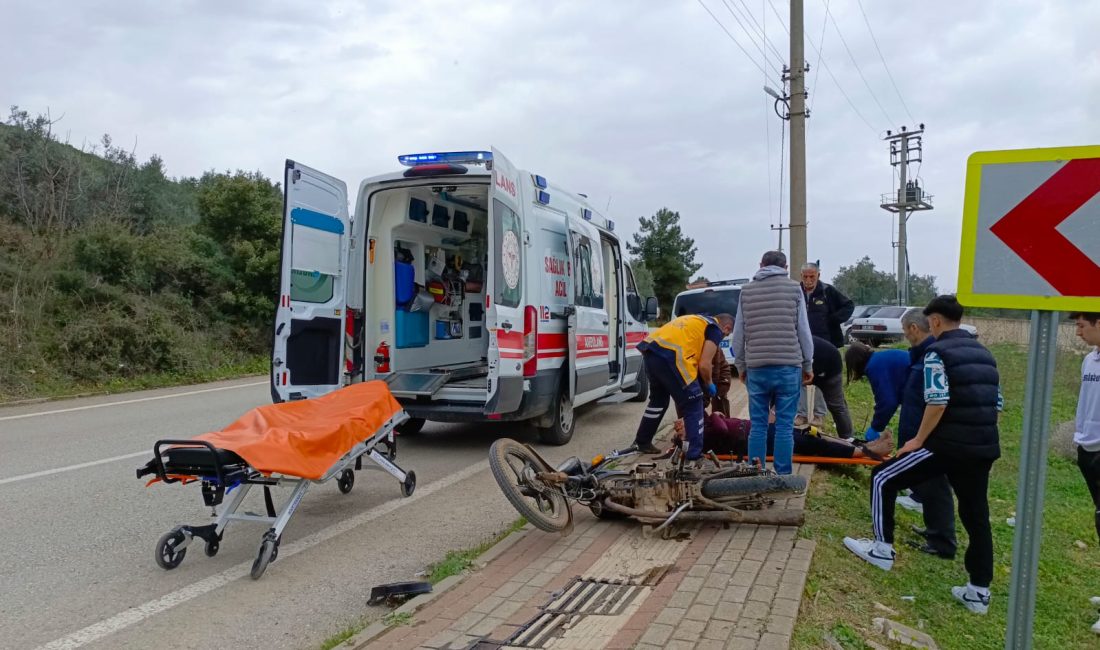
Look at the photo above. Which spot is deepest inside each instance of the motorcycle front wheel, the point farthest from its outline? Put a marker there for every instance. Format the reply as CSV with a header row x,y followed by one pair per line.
x,y
515,469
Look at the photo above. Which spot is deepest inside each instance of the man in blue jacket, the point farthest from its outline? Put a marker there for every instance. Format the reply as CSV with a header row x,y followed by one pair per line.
x,y
886,371
934,495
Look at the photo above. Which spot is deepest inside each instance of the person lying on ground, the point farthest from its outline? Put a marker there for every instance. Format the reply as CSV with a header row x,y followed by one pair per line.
x,y
729,436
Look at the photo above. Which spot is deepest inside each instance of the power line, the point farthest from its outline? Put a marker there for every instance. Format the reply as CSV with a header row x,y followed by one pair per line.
x,y
735,41
759,30
851,56
820,52
751,36
880,56
825,64
767,127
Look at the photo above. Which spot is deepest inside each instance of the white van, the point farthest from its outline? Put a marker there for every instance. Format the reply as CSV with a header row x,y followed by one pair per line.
x,y
476,290
720,297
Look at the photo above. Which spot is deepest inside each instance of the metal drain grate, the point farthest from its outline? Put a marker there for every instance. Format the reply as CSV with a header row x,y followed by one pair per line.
x,y
581,597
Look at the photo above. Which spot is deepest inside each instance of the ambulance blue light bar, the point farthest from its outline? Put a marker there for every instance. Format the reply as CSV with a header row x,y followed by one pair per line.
x,y
544,197
451,157
540,182
587,214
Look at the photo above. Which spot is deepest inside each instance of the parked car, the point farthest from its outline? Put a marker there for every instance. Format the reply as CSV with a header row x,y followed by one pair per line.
x,y
861,311
884,326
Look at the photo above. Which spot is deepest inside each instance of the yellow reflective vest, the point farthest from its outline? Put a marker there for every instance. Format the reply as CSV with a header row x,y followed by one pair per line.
x,y
684,336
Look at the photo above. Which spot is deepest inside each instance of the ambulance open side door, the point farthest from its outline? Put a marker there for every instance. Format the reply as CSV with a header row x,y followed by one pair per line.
x,y
504,296
308,351
589,343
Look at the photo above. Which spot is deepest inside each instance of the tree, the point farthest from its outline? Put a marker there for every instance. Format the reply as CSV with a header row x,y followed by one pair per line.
x,y
243,212
667,253
866,285
643,279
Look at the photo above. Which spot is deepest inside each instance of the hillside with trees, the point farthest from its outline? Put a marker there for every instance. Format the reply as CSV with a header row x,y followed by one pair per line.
x,y
113,274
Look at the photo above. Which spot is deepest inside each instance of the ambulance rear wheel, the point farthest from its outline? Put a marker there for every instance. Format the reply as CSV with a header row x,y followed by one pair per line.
x,y
642,387
562,423
410,427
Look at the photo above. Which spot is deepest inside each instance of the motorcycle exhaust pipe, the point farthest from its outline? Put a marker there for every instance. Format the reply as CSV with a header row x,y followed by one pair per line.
x,y
767,517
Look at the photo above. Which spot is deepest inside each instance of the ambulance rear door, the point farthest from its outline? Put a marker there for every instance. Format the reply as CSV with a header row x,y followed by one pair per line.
x,y
308,350
505,291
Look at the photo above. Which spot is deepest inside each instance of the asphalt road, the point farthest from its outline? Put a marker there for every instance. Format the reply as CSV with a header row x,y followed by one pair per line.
x,y
76,544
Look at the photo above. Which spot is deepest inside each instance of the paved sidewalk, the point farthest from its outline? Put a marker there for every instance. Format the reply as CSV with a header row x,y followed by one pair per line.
x,y
607,585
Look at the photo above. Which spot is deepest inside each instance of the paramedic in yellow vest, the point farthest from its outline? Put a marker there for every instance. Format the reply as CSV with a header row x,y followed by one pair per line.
x,y
677,360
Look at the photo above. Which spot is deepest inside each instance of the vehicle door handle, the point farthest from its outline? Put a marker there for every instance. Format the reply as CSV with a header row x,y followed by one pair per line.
x,y
506,326
607,322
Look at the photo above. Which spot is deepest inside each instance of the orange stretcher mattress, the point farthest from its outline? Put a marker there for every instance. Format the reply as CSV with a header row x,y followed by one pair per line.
x,y
305,438
818,460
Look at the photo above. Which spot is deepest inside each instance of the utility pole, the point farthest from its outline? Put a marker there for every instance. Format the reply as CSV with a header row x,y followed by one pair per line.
x,y
798,142
780,228
905,147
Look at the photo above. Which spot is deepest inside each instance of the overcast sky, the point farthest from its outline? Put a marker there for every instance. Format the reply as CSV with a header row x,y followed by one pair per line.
x,y
640,104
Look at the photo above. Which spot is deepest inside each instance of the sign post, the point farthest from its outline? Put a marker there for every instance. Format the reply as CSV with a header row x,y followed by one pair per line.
x,y
1031,240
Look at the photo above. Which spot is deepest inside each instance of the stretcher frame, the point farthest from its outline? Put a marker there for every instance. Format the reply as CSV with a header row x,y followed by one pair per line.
x,y
238,480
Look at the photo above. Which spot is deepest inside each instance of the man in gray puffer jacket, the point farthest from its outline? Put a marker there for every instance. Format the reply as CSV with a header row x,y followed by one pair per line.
x,y
774,353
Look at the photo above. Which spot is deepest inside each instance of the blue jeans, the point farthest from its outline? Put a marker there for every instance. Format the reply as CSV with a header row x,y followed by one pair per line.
x,y
782,386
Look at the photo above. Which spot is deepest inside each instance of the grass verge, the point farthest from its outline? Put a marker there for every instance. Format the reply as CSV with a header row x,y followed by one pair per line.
x,y
58,389
456,562
842,591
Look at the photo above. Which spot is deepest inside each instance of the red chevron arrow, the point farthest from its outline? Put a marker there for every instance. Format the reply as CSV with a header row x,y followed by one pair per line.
x,y
1029,228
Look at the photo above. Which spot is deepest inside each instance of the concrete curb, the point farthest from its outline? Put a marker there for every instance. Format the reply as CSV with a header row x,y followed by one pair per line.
x,y
378,628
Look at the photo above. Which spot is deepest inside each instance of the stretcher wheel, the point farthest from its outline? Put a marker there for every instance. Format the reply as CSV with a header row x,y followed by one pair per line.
x,y
211,548
269,549
409,485
168,556
346,481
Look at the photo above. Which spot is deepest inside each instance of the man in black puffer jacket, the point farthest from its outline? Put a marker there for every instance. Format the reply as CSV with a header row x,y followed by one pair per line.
x,y
957,438
826,307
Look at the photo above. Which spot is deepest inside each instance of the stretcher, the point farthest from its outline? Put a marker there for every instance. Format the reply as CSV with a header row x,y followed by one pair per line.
x,y
292,444
816,460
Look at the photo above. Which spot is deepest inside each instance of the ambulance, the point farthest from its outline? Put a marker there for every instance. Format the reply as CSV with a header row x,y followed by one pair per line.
x,y
476,290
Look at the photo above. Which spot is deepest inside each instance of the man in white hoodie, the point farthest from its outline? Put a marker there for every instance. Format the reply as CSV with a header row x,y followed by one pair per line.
x,y
1087,436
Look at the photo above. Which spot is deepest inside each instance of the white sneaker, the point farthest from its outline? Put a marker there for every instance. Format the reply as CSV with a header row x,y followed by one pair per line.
x,y
1095,600
909,503
974,601
877,553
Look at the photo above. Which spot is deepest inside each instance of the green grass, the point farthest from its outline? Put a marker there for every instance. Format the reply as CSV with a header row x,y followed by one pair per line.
x,y
397,619
54,388
342,636
841,591
457,562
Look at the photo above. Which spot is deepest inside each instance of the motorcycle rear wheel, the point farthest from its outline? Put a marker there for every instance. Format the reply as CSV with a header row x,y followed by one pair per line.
x,y
746,485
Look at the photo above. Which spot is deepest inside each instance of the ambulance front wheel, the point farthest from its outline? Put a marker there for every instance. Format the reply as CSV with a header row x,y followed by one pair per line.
x,y
560,430
410,427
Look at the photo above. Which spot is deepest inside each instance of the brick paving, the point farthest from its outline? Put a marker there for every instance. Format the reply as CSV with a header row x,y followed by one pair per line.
x,y
735,587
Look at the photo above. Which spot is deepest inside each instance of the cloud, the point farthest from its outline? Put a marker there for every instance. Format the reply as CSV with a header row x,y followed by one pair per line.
x,y
638,105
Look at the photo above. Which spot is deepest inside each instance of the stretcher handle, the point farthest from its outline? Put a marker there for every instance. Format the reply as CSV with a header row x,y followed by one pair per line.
x,y
163,474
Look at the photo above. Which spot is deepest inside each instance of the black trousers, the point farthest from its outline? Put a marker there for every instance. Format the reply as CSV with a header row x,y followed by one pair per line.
x,y
1089,462
968,477
939,513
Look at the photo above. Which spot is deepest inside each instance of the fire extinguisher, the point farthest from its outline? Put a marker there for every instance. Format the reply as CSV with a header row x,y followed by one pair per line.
x,y
382,357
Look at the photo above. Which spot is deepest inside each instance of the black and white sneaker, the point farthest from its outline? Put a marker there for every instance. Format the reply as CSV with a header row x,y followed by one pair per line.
x,y
877,553
971,599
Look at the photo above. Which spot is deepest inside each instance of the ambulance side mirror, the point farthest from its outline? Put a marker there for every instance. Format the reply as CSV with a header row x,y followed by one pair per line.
x,y
652,310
